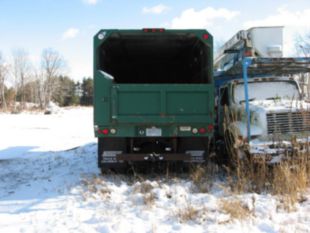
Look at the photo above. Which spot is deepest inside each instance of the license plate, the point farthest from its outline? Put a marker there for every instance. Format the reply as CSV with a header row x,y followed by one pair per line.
x,y
153,132
185,128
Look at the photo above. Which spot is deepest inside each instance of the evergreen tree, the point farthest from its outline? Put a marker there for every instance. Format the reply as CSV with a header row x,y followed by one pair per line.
x,y
87,91
65,93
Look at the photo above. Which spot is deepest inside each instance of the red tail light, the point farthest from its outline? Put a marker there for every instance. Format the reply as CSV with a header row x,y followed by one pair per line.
x,y
105,131
210,128
205,36
202,130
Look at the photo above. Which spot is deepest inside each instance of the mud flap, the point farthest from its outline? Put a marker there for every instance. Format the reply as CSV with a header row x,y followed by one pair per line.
x,y
109,163
197,156
110,157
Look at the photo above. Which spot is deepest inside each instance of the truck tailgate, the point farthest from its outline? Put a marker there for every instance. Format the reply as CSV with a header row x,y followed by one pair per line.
x,y
144,104
161,103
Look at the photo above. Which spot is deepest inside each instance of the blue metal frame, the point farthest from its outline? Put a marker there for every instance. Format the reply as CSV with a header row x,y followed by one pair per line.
x,y
246,62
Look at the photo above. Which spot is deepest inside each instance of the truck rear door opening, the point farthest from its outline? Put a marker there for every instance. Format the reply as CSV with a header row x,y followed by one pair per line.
x,y
161,57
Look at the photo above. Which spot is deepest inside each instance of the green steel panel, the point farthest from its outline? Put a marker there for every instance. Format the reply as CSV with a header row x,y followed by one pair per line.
x,y
188,103
148,103
136,103
161,103
151,120
102,98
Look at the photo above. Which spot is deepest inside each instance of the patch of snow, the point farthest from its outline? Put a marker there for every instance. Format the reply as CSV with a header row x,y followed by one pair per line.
x,y
280,105
52,108
49,182
266,90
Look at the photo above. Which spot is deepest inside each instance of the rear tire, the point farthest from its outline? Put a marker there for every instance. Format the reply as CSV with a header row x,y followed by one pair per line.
x,y
99,151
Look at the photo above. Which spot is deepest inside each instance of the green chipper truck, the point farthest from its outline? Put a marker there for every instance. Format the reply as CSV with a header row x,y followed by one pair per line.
x,y
153,96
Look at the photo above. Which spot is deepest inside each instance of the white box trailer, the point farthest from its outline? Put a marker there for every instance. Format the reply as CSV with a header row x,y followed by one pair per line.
x,y
255,42
266,41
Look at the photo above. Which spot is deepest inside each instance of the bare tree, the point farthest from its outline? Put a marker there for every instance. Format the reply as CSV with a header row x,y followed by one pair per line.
x,y
3,74
302,45
22,69
52,65
40,87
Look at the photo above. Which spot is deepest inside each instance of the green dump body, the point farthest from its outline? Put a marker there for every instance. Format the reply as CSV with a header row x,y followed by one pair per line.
x,y
153,83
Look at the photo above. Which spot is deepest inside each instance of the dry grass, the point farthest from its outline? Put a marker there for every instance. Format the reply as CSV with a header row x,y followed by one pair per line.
x,y
203,176
235,209
95,188
188,213
249,176
198,175
288,180
149,199
144,187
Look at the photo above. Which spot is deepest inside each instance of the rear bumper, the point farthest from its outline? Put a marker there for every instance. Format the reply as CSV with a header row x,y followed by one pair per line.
x,y
153,157
188,157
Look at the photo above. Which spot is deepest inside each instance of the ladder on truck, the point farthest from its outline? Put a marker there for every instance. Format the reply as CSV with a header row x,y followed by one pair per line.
x,y
251,53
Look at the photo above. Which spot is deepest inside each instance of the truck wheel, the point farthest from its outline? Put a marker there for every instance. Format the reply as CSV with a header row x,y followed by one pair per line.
x,y
110,146
221,152
99,151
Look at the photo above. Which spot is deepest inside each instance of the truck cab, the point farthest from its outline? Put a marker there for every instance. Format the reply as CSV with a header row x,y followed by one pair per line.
x,y
260,108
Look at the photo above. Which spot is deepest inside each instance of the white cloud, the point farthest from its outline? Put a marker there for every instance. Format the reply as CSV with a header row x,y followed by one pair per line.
x,y
295,23
284,17
91,2
204,18
159,9
70,33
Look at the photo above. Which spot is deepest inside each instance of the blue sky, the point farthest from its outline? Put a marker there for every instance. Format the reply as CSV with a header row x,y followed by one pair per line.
x,y
68,26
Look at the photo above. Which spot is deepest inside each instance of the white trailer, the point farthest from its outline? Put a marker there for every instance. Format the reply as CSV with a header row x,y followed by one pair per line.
x,y
254,42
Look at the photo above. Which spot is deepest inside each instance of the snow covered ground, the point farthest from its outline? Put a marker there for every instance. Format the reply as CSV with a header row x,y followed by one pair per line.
x,y
49,182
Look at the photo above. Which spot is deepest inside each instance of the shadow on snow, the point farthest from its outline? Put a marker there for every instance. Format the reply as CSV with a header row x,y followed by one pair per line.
x,y
29,178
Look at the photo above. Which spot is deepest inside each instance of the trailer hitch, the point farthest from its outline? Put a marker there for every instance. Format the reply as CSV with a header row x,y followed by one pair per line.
x,y
153,157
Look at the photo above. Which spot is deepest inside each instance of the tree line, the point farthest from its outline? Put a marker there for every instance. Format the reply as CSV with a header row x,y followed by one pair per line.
x,y
22,83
